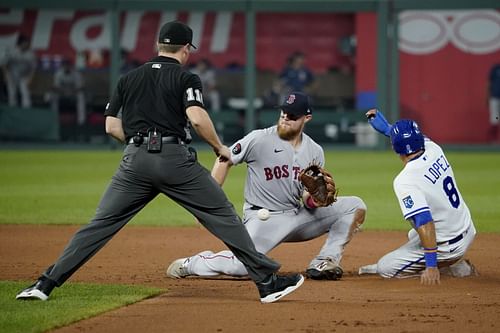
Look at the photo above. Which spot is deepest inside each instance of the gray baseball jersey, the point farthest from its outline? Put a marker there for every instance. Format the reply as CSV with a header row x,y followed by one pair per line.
x,y
272,183
274,167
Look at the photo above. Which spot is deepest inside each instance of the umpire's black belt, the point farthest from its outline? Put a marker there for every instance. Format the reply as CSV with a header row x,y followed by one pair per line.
x,y
165,139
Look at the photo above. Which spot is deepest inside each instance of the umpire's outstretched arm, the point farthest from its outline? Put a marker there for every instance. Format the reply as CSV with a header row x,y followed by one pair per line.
x,y
202,124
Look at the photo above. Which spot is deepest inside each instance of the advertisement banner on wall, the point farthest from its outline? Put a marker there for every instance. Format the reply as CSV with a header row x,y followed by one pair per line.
x,y
445,61
220,36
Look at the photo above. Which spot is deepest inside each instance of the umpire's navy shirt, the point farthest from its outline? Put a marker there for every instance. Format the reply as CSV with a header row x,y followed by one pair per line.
x,y
156,95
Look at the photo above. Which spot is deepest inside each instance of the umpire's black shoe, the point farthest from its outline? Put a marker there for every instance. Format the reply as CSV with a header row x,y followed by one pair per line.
x,y
41,290
276,287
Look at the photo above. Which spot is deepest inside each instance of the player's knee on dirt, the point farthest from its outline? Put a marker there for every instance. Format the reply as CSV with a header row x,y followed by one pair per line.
x,y
359,213
360,204
385,267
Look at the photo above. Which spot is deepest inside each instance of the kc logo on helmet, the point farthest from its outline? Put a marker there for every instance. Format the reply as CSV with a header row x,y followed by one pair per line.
x,y
290,99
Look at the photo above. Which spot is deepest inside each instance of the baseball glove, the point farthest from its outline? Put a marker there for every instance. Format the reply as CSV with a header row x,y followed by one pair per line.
x,y
319,183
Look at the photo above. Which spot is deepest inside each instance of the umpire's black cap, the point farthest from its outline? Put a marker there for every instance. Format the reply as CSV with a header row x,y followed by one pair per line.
x,y
296,103
176,33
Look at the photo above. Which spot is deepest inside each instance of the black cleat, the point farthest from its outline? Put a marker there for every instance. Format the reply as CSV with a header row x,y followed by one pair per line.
x,y
40,290
325,271
278,286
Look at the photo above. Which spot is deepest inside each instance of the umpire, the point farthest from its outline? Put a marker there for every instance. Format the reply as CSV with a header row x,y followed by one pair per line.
x,y
158,103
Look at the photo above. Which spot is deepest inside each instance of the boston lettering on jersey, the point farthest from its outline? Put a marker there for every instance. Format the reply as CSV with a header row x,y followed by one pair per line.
x,y
282,171
438,168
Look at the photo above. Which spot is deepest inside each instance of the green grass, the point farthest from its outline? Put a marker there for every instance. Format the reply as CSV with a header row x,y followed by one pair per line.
x,y
84,300
369,175
61,187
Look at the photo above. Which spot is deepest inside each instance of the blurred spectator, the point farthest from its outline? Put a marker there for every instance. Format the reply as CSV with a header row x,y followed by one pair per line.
x,y
273,96
127,63
80,60
296,76
19,66
494,101
95,59
206,72
68,89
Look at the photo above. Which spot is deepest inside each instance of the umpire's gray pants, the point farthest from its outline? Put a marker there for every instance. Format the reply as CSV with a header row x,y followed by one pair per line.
x,y
140,178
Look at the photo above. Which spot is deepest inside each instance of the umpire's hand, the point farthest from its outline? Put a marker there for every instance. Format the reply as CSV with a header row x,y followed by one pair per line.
x,y
223,153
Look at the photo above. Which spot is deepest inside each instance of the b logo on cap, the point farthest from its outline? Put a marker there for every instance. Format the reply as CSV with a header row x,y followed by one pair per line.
x,y
290,99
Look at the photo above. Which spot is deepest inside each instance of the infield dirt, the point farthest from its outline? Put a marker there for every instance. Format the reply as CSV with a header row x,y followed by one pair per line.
x,y
140,255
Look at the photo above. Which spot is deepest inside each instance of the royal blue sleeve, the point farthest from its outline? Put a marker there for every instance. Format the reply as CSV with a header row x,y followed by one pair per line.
x,y
421,218
380,124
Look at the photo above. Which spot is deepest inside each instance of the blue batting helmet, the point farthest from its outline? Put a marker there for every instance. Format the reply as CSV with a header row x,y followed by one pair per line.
x,y
406,137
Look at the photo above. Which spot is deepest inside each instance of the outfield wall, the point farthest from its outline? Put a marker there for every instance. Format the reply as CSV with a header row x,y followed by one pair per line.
x,y
444,56
445,59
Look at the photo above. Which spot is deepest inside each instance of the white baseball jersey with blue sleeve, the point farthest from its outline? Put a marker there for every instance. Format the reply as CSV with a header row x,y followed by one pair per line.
x,y
426,188
427,184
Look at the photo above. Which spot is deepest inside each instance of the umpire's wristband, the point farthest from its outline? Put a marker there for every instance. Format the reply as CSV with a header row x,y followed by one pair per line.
x,y
430,255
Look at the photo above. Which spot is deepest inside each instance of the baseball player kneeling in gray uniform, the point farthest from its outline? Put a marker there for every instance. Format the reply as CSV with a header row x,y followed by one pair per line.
x,y
274,209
